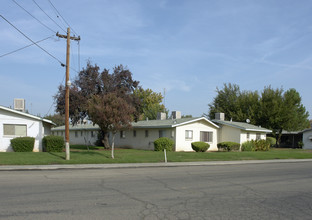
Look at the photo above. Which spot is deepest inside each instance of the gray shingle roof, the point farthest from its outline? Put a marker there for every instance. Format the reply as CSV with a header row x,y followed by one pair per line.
x,y
78,127
242,126
169,123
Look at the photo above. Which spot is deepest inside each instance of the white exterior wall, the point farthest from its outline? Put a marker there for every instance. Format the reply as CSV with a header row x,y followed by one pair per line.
x,y
84,139
140,141
252,136
183,144
307,143
239,136
230,134
35,128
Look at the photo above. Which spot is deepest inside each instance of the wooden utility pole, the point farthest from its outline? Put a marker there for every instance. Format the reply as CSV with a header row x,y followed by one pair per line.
x,y
67,85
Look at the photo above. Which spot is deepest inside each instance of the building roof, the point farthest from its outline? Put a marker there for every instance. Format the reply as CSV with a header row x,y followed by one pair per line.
x,y
26,115
78,127
168,123
242,125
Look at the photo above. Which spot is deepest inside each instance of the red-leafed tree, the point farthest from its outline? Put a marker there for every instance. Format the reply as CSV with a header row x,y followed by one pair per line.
x,y
111,112
102,91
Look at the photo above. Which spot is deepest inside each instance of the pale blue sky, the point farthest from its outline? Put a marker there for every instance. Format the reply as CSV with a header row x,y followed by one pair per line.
x,y
189,47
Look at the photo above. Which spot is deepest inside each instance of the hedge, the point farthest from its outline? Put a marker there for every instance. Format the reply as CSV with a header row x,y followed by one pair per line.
x,y
23,144
163,143
228,146
256,145
200,146
53,143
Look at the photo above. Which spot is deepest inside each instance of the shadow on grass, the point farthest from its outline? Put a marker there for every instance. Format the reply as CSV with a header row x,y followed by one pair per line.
x,y
56,155
91,153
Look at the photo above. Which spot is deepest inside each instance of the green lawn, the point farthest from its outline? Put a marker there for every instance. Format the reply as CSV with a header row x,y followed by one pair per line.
x,y
96,155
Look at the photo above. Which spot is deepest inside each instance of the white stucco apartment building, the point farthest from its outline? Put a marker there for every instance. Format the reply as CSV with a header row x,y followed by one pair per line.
x,y
307,138
14,123
183,131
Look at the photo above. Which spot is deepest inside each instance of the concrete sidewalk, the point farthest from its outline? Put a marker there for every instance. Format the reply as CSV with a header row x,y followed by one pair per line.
x,y
144,165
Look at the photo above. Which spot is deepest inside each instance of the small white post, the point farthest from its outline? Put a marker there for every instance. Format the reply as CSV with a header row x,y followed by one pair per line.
x,y
165,155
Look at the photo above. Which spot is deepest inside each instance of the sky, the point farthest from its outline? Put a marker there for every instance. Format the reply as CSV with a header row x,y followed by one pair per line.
x,y
188,48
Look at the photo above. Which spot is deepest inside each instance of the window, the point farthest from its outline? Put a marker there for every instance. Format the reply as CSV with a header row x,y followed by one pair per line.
x,y
15,130
206,136
81,133
146,133
134,133
258,136
92,133
161,133
189,135
122,134
76,133
248,136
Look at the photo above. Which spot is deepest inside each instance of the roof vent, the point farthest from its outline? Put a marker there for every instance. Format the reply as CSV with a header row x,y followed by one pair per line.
x,y
161,116
176,115
219,116
19,105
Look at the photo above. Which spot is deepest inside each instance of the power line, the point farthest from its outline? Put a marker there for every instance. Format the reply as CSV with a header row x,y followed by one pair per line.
x,y
54,100
48,16
34,17
62,17
62,64
3,55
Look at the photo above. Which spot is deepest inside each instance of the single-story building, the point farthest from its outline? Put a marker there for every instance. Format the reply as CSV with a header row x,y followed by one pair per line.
x,y
15,123
81,133
307,138
183,131
239,132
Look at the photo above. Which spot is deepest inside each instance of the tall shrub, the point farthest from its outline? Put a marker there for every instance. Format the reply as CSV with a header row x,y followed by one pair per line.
x,y
271,140
163,143
262,145
248,146
53,143
23,144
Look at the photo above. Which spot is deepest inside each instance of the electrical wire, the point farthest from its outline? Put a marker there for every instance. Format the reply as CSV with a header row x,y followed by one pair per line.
x,y
62,18
32,41
34,17
49,16
3,55
54,100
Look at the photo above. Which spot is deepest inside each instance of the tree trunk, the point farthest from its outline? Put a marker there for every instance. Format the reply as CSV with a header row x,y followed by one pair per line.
x,y
105,140
113,144
278,138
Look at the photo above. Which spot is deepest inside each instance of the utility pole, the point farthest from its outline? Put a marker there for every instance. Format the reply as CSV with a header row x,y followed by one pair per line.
x,y
67,85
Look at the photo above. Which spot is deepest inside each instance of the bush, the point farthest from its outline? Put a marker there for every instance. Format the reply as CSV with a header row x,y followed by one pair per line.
x,y
248,146
163,143
23,144
271,140
300,144
200,146
256,145
100,137
262,145
228,146
53,143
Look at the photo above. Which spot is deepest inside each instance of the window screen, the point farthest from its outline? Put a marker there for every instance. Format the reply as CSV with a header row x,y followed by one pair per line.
x,y
15,130
206,136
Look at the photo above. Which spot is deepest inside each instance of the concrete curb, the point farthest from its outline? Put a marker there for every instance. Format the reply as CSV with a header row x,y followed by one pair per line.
x,y
144,165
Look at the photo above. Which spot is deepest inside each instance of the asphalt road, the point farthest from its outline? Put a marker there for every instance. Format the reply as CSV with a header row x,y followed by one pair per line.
x,y
248,191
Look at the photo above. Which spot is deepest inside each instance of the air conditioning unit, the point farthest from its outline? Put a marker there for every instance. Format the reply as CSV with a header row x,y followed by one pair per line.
x,y
19,105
